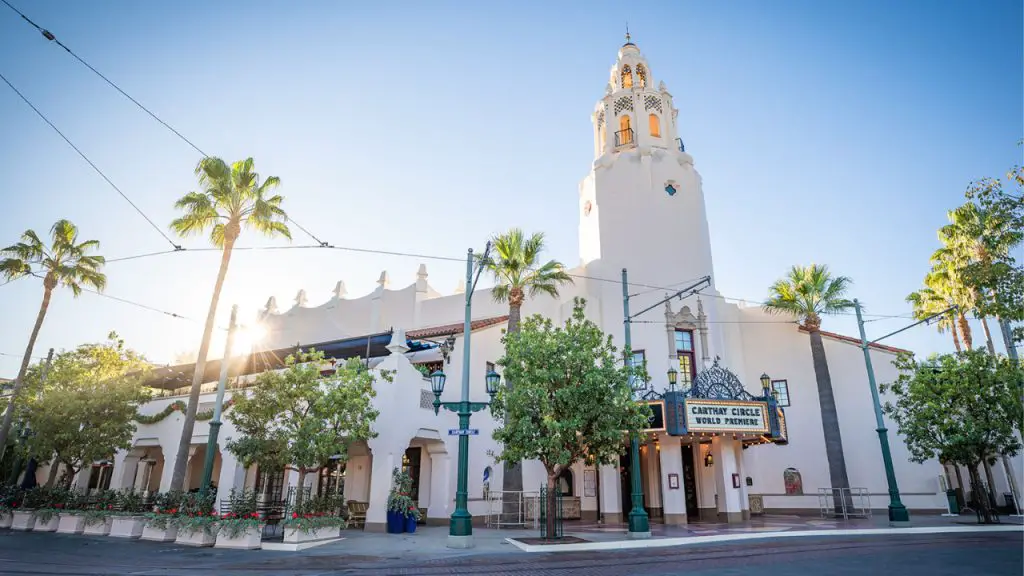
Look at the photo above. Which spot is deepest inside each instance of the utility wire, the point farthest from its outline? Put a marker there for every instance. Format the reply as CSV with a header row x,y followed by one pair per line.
x,y
86,158
53,38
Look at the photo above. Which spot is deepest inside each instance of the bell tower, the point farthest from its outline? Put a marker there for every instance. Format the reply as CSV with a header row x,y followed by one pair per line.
x,y
641,206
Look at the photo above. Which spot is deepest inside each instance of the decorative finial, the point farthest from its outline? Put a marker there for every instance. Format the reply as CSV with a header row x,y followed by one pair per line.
x,y
271,307
300,299
384,281
421,274
628,41
339,290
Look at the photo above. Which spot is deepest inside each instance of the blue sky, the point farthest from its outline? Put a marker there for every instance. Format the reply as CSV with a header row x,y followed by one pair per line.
x,y
829,132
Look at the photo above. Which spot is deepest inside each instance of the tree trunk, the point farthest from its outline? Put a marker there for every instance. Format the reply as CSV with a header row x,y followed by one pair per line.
x,y
69,476
991,493
181,459
300,489
965,329
19,382
512,472
829,420
552,506
1004,329
960,484
988,336
956,339
52,476
979,497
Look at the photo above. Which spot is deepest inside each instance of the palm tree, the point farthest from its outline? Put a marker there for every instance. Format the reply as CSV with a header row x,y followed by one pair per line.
x,y
945,280
65,262
807,293
232,197
517,273
927,302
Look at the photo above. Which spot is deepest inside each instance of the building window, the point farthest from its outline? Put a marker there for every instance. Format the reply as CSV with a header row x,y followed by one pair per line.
x,y
487,482
99,477
625,134
332,479
411,466
655,124
684,350
670,190
627,77
565,482
641,75
781,390
269,484
600,135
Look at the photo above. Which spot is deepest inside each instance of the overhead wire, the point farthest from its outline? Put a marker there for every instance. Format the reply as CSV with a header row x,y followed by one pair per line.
x,y
88,161
50,36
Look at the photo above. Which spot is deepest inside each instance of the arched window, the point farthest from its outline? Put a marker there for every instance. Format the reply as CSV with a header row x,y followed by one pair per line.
x,y
641,75
655,124
600,135
627,76
487,482
625,134
565,483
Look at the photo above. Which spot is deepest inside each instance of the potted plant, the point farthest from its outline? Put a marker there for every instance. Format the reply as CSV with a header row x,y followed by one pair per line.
x,y
49,503
196,521
399,501
412,515
317,518
99,513
240,528
8,496
129,520
160,525
23,509
71,519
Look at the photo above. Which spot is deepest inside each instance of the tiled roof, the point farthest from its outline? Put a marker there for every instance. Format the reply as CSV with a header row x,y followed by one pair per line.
x,y
435,331
852,340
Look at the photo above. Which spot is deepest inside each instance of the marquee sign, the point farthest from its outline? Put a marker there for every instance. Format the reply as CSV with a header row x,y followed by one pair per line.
x,y
743,417
656,421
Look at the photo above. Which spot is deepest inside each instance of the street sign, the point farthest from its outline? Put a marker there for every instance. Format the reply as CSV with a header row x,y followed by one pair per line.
x,y
466,432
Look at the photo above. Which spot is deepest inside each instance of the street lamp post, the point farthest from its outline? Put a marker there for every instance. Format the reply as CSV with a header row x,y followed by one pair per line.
x,y
460,526
215,423
898,514
639,524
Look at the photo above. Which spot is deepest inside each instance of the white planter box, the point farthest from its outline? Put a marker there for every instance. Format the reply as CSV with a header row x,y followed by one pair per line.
x,y
6,519
71,523
50,526
200,538
248,540
293,536
99,529
127,526
154,534
23,520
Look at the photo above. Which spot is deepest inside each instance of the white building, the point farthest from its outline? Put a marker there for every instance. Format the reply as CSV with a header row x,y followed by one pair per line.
x,y
640,202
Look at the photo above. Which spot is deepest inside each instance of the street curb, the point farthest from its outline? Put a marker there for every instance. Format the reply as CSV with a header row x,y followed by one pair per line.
x,y
692,540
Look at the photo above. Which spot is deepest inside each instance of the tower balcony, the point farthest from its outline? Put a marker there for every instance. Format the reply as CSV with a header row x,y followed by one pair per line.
x,y
625,138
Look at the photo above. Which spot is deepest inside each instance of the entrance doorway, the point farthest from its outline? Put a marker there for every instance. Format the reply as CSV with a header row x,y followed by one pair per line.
x,y
690,484
626,477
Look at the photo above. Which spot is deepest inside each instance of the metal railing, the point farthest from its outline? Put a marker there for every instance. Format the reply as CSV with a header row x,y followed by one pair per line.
x,y
679,143
624,137
512,509
844,502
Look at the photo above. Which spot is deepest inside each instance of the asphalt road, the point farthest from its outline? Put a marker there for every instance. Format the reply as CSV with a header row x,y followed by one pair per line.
x,y
932,555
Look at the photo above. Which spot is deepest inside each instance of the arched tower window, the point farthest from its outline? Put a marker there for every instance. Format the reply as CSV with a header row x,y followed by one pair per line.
x,y
627,76
625,134
641,75
655,124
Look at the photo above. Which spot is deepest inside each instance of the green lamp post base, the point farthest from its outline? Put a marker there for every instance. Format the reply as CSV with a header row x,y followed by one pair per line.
x,y
898,516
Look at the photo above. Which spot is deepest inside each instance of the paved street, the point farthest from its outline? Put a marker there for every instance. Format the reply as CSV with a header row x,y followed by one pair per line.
x,y
933,554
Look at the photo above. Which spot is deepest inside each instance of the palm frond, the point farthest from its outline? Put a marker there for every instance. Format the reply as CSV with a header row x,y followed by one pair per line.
x,y
14,268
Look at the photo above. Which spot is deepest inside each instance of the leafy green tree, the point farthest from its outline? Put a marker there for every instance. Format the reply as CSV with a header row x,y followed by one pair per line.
x,y
232,198
518,271
297,416
572,400
65,262
85,409
963,409
807,292
937,296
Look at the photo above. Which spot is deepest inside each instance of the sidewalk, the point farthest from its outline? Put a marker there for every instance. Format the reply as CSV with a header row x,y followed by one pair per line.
x,y
431,542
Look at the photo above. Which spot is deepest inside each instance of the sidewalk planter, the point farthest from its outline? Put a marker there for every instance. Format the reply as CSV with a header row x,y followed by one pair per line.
x,y
295,536
70,523
101,528
23,520
396,522
410,524
250,539
154,534
49,524
5,519
202,538
127,526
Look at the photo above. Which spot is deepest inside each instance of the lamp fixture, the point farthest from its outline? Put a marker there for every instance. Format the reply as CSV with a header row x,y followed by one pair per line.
x,y
709,460
766,384
673,376
493,379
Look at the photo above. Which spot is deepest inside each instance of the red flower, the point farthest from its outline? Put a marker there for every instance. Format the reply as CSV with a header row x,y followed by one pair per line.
x,y
59,505
110,506
254,515
173,510
14,505
295,515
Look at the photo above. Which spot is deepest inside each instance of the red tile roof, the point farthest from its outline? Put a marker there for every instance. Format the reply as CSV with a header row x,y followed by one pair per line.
x,y
856,341
456,328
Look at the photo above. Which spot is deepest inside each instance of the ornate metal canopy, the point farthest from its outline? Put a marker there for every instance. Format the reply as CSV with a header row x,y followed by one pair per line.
x,y
718,383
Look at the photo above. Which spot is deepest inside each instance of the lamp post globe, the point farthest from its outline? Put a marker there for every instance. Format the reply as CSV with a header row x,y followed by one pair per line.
x,y
437,379
673,376
493,379
766,383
